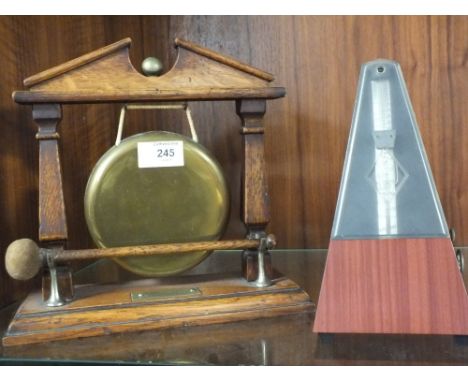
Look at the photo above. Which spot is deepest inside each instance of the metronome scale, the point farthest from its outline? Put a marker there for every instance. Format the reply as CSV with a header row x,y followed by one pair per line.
x,y
156,202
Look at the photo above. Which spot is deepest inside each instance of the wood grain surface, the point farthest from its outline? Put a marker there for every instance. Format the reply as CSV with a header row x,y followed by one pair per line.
x,y
255,205
107,75
316,58
52,216
106,309
397,286
76,63
286,340
149,250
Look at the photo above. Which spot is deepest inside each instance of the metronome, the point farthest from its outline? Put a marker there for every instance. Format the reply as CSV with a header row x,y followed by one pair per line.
x,y
391,266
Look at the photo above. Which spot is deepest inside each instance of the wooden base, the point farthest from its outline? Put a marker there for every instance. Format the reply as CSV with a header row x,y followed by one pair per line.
x,y
104,309
405,286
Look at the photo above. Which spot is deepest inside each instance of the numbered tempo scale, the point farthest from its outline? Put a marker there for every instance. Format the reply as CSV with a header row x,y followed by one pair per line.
x,y
156,202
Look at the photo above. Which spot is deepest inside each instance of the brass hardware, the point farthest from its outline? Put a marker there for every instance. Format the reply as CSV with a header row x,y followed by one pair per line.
x,y
165,294
151,66
163,106
47,136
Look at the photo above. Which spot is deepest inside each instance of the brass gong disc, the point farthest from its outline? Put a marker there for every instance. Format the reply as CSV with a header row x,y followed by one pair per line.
x,y
127,205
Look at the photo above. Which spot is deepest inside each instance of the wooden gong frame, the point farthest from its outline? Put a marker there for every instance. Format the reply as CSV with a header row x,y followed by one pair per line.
x,y
199,74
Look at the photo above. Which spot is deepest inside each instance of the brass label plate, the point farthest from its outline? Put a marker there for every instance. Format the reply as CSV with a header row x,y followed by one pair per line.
x,y
165,294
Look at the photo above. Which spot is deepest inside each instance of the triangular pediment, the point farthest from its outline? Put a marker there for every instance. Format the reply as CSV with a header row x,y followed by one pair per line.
x,y
107,75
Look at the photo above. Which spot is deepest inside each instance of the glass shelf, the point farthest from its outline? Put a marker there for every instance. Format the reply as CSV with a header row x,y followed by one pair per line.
x,y
275,341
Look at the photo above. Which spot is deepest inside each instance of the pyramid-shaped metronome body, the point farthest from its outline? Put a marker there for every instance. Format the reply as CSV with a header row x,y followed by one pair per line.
x,y
391,266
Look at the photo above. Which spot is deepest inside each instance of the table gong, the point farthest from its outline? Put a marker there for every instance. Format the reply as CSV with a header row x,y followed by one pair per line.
x,y
149,243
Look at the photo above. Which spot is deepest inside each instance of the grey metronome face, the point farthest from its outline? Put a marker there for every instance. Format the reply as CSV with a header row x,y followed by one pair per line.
x,y
387,189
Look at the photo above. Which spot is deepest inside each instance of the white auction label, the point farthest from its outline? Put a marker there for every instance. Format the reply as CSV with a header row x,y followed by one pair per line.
x,y
160,154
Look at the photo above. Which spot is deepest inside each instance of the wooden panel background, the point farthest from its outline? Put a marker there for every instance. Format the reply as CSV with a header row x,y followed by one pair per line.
x,y
316,58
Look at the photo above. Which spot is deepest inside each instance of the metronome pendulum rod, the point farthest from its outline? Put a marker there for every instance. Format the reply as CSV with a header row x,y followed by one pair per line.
x,y
24,258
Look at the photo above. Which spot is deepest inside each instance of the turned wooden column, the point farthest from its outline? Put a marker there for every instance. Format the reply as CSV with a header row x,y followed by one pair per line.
x,y
255,203
53,231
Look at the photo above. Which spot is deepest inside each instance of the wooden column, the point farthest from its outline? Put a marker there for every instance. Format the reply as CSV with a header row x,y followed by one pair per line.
x,y
53,231
52,218
255,209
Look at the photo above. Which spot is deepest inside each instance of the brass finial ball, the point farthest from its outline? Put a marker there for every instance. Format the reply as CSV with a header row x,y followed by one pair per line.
x,y
151,66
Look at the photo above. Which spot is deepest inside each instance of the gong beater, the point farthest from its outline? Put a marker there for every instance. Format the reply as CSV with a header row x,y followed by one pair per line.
x,y
24,258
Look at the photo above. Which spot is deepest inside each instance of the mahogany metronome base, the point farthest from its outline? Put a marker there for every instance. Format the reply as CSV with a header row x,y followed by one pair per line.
x,y
154,304
393,286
